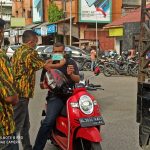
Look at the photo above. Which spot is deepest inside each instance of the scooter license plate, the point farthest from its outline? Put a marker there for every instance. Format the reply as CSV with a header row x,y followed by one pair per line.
x,y
93,121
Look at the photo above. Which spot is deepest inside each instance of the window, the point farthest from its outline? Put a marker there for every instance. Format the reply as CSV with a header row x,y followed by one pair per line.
x,y
16,13
29,14
24,13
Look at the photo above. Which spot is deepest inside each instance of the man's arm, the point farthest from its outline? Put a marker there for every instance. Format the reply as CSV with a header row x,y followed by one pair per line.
x,y
7,90
35,61
73,72
43,85
57,65
75,78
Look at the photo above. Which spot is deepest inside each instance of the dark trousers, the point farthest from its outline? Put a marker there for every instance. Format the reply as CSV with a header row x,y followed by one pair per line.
x,y
21,117
54,106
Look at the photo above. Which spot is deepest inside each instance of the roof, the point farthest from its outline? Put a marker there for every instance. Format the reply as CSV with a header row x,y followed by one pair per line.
x,y
133,16
48,23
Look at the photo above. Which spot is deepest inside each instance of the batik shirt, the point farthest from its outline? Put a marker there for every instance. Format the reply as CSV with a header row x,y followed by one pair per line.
x,y
25,63
7,125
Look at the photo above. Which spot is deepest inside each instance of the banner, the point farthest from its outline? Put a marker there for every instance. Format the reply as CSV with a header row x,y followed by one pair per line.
x,y
95,10
37,11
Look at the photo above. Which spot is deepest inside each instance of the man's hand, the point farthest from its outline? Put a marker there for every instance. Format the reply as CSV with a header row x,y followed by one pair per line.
x,y
12,99
48,63
43,85
62,62
70,69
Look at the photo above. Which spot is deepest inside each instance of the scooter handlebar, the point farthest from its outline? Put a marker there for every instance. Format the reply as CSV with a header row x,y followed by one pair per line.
x,y
94,85
93,88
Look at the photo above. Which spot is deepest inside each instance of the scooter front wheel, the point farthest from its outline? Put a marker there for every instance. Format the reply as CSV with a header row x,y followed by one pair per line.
x,y
96,146
82,144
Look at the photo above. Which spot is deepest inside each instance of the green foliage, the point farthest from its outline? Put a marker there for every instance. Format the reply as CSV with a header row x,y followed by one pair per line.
x,y
54,13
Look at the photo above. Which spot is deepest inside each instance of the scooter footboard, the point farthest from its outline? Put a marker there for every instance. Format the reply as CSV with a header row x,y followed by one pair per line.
x,y
91,134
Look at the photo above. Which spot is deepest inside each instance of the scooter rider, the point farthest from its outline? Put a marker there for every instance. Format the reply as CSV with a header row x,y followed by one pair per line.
x,y
55,103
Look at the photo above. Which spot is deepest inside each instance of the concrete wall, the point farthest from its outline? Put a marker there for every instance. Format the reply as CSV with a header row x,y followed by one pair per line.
x,y
106,43
131,2
129,30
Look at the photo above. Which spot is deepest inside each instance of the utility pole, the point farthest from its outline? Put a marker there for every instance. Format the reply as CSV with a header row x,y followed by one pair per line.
x,y
64,26
1,9
143,92
70,22
96,37
141,76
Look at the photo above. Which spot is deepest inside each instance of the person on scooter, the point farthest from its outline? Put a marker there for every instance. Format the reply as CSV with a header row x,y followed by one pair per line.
x,y
55,103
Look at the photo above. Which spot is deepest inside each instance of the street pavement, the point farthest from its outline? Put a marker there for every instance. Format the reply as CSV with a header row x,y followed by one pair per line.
x,y
118,107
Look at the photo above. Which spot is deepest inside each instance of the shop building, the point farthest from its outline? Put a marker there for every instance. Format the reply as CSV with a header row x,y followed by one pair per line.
x,y
126,30
82,21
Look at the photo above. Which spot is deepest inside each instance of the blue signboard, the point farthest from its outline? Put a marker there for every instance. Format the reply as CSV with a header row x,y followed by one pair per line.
x,y
50,29
38,31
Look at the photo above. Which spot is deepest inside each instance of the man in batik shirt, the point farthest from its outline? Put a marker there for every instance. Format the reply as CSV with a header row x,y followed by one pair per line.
x,y
25,63
8,97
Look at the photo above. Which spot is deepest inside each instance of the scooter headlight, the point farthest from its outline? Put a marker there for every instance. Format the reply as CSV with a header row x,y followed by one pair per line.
x,y
86,104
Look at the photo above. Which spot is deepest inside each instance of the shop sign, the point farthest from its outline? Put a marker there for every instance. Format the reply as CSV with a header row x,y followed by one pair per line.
x,y
44,30
17,22
51,29
95,11
12,32
116,32
21,32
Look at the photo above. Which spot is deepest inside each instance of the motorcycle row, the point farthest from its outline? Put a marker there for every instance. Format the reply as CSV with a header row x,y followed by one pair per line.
x,y
113,65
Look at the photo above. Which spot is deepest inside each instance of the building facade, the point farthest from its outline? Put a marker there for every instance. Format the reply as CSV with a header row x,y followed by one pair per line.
x,y
5,11
22,9
82,21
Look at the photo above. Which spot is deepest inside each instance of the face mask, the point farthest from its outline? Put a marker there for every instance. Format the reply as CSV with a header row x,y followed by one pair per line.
x,y
57,56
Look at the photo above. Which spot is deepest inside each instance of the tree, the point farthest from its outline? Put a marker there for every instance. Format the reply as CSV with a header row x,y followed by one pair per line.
x,y
54,13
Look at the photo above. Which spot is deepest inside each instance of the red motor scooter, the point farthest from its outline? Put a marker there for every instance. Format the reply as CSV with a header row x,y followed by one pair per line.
x,y
78,126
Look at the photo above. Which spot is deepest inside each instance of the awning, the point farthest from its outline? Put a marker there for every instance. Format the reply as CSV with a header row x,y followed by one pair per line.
x,y
45,29
48,23
81,42
41,25
31,26
49,28
64,28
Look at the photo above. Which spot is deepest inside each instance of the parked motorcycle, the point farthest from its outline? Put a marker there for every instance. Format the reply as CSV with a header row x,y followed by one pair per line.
x,y
86,82
85,65
78,126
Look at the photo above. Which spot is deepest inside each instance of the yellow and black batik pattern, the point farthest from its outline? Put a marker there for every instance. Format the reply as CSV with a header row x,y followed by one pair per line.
x,y
25,63
7,125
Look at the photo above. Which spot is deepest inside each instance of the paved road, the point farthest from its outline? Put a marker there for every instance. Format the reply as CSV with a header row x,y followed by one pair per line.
x,y
118,107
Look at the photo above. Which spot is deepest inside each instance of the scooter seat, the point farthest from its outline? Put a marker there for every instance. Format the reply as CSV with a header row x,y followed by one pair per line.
x,y
64,111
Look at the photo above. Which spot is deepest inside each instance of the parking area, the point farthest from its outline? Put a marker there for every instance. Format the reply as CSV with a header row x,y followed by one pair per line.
x,y
118,107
